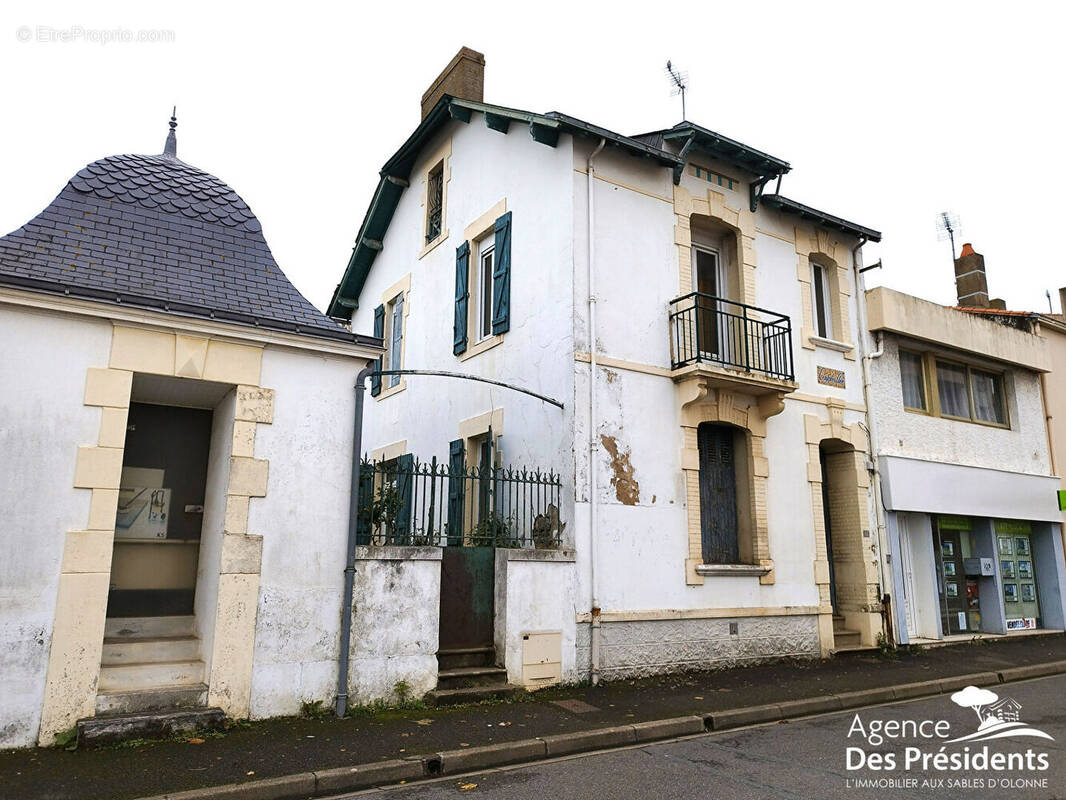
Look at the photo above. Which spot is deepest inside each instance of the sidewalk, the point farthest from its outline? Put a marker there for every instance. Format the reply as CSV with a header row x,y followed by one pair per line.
x,y
280,747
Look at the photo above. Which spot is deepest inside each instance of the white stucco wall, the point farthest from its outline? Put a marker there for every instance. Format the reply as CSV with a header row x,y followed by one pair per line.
x,y
303,521
42,423
1021,448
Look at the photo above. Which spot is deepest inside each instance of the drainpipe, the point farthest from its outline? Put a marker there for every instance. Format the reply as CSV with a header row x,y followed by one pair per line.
x,y
353,518
879,508
594,605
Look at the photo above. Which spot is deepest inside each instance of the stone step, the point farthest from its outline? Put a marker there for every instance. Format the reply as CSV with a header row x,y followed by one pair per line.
x,y
150,675
464,677
157,725
120,650
149,627
466,657
473,694
843,638
165,698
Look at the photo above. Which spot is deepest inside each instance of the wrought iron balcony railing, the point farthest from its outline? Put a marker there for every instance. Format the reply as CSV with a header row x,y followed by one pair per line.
x,y
708,329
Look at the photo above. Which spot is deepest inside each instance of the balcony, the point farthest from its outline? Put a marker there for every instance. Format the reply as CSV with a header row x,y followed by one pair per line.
x,y
742,346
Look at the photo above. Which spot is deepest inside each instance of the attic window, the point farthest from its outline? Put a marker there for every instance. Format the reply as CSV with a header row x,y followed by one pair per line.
x,y
435,202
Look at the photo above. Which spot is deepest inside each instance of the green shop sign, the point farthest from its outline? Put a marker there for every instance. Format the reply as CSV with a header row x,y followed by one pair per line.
x,y
947,523
1013,526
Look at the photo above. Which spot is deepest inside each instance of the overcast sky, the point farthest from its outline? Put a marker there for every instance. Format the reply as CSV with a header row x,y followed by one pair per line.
x,y
888,113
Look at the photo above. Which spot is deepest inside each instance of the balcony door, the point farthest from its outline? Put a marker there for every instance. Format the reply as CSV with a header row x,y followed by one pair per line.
x,y
709,280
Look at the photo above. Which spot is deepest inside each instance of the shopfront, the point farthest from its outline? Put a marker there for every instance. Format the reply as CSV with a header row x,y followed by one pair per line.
x,y
1016,566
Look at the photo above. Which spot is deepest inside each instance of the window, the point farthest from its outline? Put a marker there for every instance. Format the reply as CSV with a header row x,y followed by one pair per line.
x,y
485,265
823,317
435,202
956,390
395,345
718,494
912,376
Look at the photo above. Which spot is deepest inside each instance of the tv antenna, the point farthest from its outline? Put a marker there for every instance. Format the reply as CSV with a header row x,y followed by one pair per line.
x,y
947,225
679,82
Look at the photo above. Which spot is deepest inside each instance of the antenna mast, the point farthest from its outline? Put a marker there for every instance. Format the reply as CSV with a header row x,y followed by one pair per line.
x,y
947,225
679,82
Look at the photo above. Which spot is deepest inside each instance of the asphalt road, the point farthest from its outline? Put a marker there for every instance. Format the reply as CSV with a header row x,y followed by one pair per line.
x,y
801,759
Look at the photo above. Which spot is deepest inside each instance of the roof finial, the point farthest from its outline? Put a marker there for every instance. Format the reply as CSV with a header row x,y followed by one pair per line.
x,y
170,149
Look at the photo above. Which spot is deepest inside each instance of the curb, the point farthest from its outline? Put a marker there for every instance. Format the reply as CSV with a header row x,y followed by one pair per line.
x,y
321,783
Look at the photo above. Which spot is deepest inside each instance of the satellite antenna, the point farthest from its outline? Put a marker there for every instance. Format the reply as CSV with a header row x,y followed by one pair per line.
x,y
679,82
947,225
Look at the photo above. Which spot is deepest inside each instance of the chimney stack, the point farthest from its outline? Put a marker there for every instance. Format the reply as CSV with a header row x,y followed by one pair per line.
x,y
971,285
1062,300
464,78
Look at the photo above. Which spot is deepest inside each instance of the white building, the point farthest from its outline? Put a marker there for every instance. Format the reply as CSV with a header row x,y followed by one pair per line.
x,y
969,491
170,541
715,495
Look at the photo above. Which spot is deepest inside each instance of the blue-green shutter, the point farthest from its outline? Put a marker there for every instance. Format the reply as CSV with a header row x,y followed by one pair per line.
x,y
379,332
405,468
456,456
501,276
462,297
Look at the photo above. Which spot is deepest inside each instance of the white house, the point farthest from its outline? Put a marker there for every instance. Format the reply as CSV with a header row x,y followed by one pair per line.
x,y
170,541
970,496
715,505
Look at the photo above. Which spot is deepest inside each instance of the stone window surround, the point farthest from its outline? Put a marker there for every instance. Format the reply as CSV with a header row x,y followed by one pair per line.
x,y
473,233
739,220
442,156
832,256
817,431
78,630
402,286
701,402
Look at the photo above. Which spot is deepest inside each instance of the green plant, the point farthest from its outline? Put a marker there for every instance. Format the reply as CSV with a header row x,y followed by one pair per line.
x,y
314,709
493,529
885,648
402,690
68,739
381,512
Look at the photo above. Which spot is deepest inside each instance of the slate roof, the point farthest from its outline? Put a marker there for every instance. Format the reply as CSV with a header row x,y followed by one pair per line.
x,y
154,232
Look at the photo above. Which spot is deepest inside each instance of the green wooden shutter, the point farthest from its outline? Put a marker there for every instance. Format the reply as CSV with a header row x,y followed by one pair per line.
x,y
501,276
379,332
405,479
455,493
462,297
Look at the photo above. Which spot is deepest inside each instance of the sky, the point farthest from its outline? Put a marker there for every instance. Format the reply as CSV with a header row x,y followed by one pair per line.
x,y
888,113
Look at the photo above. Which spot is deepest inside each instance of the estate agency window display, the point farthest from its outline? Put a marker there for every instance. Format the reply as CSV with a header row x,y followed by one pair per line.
x,y
1015,553
957,588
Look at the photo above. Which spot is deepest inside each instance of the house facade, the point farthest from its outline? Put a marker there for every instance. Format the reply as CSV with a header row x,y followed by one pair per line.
x,y
702,337
170,541
969,489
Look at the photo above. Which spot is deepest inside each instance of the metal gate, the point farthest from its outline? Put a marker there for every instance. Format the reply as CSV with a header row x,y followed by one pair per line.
x,y
467,584
718,494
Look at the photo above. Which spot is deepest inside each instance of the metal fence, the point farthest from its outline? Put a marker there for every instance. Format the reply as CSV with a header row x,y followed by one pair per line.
x,y
704,328
429,503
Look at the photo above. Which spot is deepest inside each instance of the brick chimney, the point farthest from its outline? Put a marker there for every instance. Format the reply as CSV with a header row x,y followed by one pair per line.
x,y
464,77
971,286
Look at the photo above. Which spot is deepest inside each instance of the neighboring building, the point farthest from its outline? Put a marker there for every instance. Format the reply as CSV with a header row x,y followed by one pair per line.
x,y
967,481
724,515
171,540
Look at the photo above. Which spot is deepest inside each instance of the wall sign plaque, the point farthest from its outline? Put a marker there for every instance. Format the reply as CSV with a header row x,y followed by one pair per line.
x,y
831,377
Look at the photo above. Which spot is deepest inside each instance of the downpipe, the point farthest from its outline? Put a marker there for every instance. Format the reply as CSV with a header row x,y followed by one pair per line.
x,y
594,605
353,520
879,508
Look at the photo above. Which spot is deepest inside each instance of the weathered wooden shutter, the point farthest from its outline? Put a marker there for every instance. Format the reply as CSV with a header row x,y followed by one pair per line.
x,y
379,332
366,500
405,479
501,276
462,297
455,493
718,494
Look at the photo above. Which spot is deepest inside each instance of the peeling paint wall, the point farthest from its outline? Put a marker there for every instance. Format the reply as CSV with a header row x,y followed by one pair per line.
x,y
42,423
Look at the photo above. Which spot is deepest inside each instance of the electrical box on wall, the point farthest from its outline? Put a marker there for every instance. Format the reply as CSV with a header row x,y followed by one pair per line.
x,y
542,655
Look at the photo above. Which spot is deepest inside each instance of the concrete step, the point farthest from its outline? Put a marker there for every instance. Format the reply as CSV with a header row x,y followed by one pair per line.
x,y
165,698
844,638
135,676
465,677
157,725
149,627
120,650
466,657
473,694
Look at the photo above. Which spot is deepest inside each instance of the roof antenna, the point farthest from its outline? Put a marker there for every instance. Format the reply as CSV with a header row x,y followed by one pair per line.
x,y
1050,308
170,149
679,82
947,225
